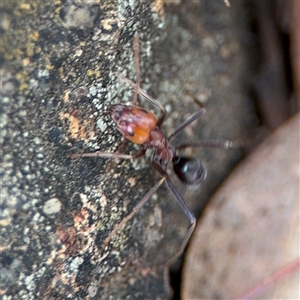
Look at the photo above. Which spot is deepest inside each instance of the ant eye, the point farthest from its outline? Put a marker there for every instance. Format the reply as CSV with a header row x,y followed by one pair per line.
x,y
130,133
189,170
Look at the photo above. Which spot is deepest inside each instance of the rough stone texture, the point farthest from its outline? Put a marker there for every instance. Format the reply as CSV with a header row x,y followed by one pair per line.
x,y
57,75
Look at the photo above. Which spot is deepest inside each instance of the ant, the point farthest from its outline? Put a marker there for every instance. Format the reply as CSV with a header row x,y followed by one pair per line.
x,y
141,126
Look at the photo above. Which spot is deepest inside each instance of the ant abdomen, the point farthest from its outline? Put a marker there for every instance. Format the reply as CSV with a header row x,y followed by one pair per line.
x,y
189,170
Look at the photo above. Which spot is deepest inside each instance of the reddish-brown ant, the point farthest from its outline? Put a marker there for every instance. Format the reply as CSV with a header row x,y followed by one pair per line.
x,y
141,126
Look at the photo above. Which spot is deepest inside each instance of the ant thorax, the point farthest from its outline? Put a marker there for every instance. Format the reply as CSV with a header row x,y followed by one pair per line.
x,y
162,149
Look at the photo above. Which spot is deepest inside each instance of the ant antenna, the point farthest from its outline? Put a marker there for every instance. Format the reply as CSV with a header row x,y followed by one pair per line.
x,y
136,53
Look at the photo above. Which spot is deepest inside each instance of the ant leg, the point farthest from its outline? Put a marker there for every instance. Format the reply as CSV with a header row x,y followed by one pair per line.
x,y
134,211
196,100
210,144
190,216
109,155
149,98
182,205
187,122
136,51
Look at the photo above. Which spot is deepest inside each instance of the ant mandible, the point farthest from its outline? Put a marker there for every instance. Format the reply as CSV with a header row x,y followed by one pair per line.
x,y
141,126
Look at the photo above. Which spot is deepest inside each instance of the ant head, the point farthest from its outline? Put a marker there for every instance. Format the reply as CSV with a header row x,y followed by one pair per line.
x,y
134,122
116,111
189,170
